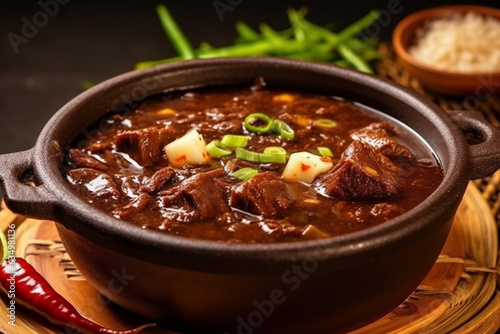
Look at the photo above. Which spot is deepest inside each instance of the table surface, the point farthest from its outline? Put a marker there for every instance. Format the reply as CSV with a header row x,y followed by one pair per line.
x,y
91,40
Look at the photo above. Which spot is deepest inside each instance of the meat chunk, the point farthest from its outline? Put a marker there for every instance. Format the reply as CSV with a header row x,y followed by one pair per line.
x,y
232,126
235,164
129,184
379,136
200,197
265,194
97,186
99,147
361,173
386,210
158,180
280,227
137,205
145,145
83,160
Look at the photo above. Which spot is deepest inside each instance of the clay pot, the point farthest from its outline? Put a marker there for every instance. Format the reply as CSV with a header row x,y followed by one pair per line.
x,y
322,286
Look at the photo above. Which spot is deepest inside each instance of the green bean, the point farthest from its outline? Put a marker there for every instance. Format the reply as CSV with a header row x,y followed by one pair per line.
x,y
358,26
246,33
274,47
370,54
240,50
354,59
314,56
320,33
303,40
365,48
204,47
150,63
175,34
296,21
342,62
322,52
313,31
87,84
359,45
269,33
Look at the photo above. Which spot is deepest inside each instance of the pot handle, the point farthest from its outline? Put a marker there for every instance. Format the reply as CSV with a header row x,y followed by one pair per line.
x,y
22,193
485,155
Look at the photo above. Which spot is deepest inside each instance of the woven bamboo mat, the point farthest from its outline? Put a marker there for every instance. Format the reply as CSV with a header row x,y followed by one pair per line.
x,y
488,104
485,102
488,319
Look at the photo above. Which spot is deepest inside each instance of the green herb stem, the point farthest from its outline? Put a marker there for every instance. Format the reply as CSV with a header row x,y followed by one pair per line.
x,y
296,20
319,33
150,63
246,33
258,48
358,26
205,47
240,50
303,40
270,33
354,59
175,34
342,63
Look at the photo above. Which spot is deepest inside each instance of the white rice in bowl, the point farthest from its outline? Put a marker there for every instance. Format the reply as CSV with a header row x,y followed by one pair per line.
x,y
468,43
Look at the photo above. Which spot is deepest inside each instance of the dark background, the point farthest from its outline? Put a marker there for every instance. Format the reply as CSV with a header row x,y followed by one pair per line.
x,y
91,40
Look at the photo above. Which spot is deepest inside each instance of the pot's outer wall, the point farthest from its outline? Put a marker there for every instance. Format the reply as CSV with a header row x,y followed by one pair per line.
x,y
315,295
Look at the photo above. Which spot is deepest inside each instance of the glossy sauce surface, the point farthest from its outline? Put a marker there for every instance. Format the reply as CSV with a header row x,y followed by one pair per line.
x,y
380,168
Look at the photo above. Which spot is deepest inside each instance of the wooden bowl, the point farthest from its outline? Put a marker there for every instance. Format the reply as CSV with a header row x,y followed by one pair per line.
x,y
442,81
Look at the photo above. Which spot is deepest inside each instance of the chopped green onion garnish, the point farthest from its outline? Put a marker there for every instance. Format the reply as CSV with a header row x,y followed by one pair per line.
x,y
276,154
265,157
325,151
326,123
272,158
245,173
247,155
275,150
283,129
259,117
216,149
234,141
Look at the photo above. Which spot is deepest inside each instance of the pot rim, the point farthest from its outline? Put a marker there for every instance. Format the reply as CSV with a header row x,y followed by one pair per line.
x,y
87,220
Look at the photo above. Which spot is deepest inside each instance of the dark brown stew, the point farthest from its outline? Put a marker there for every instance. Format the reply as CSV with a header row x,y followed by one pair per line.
x,y
379,168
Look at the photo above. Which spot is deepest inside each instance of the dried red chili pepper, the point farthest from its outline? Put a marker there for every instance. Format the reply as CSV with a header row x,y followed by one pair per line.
x,y
35,293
